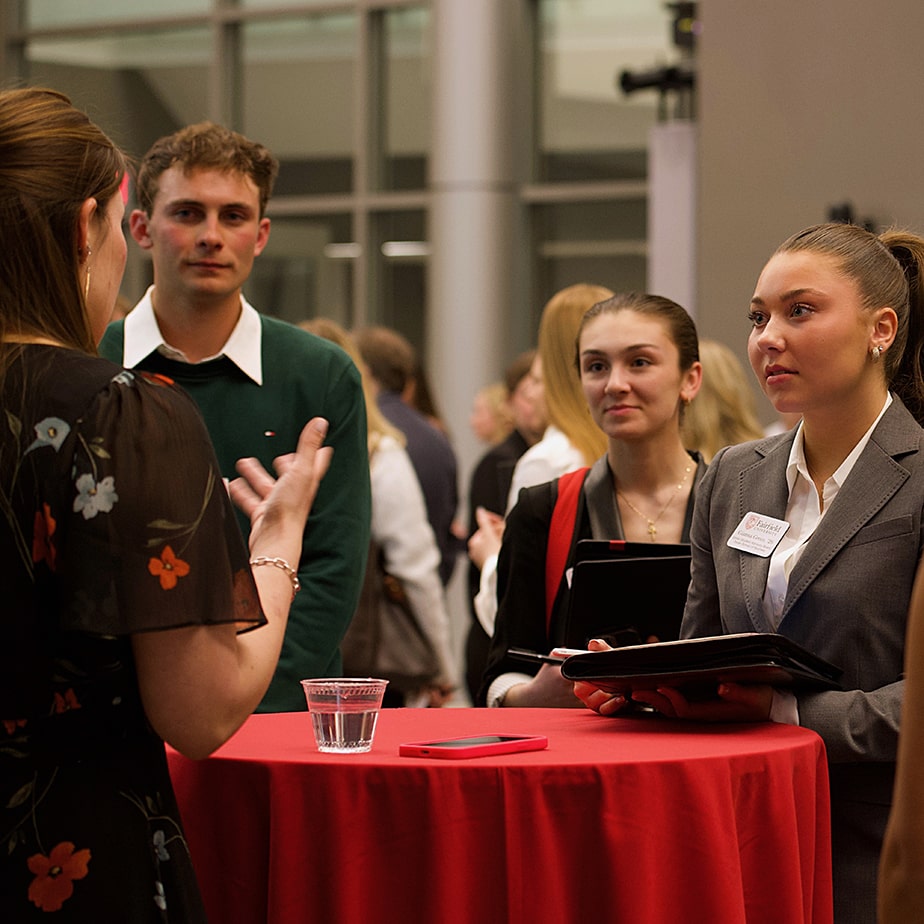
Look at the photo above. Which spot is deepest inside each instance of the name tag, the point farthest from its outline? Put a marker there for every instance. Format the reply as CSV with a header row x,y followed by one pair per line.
x,y
758,534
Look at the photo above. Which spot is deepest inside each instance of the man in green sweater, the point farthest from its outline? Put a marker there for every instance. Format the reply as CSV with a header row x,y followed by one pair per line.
x,y
202,193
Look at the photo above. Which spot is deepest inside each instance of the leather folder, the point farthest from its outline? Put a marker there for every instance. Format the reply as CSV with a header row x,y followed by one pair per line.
x,y
697,665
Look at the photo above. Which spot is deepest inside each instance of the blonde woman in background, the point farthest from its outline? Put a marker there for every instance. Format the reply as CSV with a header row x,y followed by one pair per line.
x,y
401,529
490,419
724,412
571,440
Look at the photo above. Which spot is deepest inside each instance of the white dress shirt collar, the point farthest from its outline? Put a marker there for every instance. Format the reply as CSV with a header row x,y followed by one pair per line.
x,y
243,347
798,466
804,512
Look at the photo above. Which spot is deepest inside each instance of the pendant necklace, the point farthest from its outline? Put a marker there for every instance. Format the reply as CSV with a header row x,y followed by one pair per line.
x,y
652,523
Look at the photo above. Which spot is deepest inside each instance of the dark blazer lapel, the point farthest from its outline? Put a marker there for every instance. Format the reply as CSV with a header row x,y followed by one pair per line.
x,y
764,486
876,477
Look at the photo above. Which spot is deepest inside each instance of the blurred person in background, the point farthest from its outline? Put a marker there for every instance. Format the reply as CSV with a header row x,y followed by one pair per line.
x,y
724,411
401,530
490,419
571,438
490,486
392,364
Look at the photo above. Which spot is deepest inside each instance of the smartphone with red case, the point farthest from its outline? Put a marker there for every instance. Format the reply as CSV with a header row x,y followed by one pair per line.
x,y
473,746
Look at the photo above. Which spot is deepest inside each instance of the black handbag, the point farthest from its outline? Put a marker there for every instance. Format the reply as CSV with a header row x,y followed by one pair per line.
x,y
384,638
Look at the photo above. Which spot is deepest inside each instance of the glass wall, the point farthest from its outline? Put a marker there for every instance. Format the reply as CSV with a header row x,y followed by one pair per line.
x,y
137,85
299,99
406,92
341,91
590,164
44,14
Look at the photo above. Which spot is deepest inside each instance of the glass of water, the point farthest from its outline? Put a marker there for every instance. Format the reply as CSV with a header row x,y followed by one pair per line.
x,y
344,711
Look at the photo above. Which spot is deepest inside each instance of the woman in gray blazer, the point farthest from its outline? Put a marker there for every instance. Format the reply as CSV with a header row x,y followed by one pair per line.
x,y
836,321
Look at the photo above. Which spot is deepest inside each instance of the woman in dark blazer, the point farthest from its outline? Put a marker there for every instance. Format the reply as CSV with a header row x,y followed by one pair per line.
x,y
831,317
638,360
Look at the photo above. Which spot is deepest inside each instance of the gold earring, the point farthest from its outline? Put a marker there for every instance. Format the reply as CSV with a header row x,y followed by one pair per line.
x,y
86,286
877,352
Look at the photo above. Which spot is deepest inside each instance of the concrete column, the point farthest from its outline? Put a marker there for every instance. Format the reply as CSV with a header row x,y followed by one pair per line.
x,y
672,165
474,224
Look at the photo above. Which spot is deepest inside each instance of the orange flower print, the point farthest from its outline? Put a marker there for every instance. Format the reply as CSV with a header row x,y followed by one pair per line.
x,y
12,724
55,874
168,568
66,702
43,547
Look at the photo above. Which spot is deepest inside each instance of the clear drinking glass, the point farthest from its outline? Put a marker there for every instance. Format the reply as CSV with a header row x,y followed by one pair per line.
x,y
344,712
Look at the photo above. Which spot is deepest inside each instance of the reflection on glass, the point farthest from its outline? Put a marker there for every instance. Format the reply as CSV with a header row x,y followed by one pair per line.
x,y
40,14
137,86
600,242
587,129
407,95
298,99
401,252
600,224
277,4
306,270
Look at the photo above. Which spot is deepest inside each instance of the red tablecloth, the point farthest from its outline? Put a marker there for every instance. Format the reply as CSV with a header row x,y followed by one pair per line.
x,y
623,820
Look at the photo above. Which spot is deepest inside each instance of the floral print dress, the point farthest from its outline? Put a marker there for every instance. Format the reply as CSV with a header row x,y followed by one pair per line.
x,y
113,520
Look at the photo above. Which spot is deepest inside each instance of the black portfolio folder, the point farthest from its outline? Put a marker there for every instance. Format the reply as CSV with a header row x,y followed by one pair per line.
x,y
626,592
696,666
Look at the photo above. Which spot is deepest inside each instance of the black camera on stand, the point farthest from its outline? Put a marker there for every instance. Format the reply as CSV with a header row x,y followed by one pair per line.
x,y
679,79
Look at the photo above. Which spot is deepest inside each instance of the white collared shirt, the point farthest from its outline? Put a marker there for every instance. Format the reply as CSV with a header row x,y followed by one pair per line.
x,y
243,347
803,513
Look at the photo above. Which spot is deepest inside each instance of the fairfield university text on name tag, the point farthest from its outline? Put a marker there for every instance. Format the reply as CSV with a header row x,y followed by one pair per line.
x,y
758,534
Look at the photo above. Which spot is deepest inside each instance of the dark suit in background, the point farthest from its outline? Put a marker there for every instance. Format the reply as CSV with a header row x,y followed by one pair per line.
x,y
435,463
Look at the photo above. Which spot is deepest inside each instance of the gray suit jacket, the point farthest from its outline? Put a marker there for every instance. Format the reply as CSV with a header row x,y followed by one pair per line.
x,y
847,601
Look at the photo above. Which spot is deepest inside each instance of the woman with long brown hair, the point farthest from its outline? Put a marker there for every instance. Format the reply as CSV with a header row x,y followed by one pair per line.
x,y
127,586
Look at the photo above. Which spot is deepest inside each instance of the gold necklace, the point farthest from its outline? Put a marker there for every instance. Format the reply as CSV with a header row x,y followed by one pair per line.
x,y
652,524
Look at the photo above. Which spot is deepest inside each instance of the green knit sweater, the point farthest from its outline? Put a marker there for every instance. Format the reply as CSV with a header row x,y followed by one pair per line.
x,y
304,376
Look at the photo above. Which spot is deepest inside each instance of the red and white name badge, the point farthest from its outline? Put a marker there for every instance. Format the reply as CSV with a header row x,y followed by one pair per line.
x,y
758,534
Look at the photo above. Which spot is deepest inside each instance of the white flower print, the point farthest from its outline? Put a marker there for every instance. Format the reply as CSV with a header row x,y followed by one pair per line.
x,y
52,431
159,845
94,497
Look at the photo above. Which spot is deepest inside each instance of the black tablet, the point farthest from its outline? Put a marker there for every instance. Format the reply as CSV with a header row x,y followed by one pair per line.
x,y
628,600
604,549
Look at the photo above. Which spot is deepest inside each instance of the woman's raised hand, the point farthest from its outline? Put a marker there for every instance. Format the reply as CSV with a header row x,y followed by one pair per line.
x,y
278,506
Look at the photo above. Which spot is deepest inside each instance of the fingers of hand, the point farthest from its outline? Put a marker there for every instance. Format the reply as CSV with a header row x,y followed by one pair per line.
x,y
312,436
755,700
243,495
661,700
490,523
485,517
257,477
310,441
599,700
322,460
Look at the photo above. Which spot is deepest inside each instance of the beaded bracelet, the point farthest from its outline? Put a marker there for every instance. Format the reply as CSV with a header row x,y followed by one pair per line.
x,y
283,565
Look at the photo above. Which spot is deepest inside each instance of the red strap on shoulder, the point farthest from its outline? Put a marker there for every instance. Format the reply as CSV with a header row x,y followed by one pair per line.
x,y
561,530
